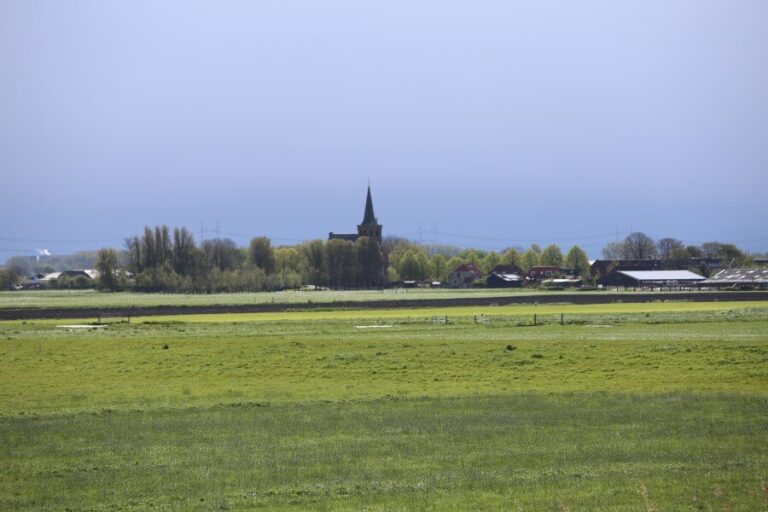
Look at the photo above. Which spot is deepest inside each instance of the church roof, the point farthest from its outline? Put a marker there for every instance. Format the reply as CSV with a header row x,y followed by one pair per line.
x,y
369,217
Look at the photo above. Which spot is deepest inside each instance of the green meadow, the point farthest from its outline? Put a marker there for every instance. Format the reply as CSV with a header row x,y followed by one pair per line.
x,y
92,298
40,299
659,406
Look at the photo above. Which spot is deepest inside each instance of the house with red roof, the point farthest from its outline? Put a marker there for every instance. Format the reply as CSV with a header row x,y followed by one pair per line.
x,y
464,276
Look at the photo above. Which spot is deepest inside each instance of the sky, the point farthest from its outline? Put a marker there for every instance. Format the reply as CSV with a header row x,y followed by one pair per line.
x,y
485,124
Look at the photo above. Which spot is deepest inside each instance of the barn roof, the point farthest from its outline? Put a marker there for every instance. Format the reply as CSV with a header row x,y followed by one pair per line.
x,y
510,278
468,267
740,275
662,275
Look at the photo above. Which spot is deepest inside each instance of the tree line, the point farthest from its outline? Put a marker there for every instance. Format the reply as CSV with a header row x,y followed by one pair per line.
x,y
640,246
161,259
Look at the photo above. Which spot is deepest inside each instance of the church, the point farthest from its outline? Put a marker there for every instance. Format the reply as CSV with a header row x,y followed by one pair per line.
x,y
370,226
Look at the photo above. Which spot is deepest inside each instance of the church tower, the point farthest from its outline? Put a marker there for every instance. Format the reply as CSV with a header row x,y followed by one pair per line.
x,y
370,227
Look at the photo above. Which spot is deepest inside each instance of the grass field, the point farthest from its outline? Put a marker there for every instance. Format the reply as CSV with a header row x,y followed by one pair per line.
x,y
91,298
626,407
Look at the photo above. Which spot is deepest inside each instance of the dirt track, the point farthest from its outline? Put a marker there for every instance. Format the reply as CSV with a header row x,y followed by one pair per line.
x,y
575,298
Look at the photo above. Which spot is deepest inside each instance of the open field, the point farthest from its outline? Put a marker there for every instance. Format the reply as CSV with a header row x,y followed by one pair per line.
x,y
93,299
660,406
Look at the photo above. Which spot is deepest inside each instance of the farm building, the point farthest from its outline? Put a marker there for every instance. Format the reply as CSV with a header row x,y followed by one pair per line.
x,y
507,269
561,283
601,268
464,276
70,278
740,278
505,276
540,272
650,278
504,280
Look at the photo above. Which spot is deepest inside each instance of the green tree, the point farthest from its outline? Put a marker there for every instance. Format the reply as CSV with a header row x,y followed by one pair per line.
x,y
472,256
551,256
8,278
453,263
287,259
438,268
489,261
106,264
261,254
577,260
184,252
222,254
314,262
511,257
414,265
530,258
370,263
341,257
693,251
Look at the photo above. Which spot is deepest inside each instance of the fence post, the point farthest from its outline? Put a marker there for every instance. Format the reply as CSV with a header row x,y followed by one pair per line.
x,y
534,319
561,319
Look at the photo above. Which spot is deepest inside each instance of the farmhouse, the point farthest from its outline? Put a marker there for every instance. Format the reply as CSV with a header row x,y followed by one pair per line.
x,y
650,278
370,226
740,278
464,276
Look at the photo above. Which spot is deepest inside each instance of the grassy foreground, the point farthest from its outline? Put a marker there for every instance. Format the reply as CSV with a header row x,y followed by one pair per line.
x,y
622,409
586,451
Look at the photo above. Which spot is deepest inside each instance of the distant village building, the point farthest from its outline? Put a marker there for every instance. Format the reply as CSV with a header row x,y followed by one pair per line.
x,y
370,226
464,276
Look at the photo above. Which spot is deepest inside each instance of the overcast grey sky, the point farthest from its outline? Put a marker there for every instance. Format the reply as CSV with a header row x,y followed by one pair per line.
x,y
500,122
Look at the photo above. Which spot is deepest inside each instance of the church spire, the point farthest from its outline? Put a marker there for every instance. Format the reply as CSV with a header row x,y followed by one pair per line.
x,y
369,218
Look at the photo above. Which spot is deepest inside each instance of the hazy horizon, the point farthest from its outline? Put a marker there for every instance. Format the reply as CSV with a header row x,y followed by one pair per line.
x,y
486,125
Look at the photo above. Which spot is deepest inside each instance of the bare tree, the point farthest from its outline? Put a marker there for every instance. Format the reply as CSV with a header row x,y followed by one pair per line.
x,y
639,246
613,251
670,248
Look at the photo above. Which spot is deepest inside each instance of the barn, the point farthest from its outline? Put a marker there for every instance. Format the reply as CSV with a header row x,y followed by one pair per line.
x,y
503,280
739,278
650,278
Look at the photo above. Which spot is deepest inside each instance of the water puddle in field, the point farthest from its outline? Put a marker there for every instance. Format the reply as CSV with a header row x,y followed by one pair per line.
x,y
80,326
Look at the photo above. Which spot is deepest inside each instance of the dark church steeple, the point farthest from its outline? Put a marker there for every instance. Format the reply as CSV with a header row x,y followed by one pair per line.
x,y
370,226
369,217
